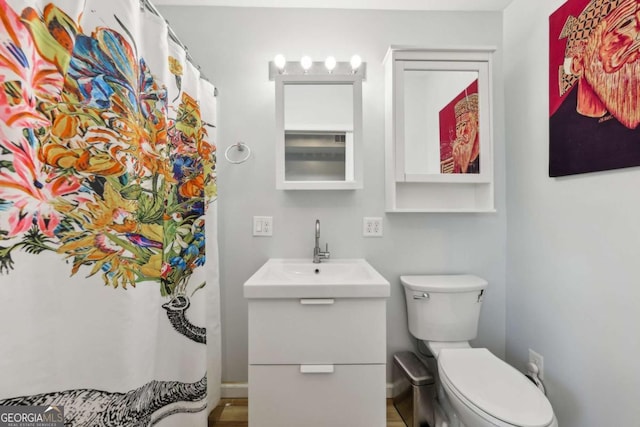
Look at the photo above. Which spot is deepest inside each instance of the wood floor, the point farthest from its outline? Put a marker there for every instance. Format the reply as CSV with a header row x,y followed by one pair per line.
x,y
234,413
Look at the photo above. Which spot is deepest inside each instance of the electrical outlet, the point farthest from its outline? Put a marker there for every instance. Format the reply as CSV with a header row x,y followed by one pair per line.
x,y
372,227
537,360
263,226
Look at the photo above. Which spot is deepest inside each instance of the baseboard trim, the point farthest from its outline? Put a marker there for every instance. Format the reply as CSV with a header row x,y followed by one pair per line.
x,y
234,390
241,390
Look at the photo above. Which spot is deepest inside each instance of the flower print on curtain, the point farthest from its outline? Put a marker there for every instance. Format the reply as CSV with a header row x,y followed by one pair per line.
x,y
106,170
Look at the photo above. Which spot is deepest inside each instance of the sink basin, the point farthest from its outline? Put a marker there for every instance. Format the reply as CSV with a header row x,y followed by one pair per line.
x,y
301,278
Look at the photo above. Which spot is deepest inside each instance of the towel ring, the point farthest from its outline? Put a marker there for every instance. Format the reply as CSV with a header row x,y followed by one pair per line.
x,y
240,146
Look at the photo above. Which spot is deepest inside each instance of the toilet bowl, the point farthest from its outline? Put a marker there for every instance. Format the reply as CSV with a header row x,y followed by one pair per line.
x,y
480,389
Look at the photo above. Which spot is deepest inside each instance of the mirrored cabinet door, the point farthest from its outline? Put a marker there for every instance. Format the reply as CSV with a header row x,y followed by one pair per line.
x,y
319,132
441,122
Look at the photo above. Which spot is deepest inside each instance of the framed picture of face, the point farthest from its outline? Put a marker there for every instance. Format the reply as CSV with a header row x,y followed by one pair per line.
x,y
594,86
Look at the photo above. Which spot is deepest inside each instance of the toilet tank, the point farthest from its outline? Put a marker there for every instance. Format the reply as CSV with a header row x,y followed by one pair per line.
x,y
443,308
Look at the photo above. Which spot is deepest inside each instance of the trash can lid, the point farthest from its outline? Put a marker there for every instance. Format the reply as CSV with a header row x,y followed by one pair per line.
x,y
415,370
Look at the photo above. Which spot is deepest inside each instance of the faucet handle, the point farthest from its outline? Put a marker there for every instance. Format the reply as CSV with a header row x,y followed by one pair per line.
x,y
326,248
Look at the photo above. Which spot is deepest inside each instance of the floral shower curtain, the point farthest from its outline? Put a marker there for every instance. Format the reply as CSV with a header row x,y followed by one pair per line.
x,y
107,180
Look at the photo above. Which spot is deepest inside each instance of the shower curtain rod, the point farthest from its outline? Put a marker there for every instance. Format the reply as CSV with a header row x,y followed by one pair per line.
x,y
149,6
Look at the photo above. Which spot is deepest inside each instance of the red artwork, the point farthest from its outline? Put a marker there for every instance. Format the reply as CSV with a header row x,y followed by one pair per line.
x,y
459,135
594,86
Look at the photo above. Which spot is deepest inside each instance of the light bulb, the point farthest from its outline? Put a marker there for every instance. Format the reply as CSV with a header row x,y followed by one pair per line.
x,y
306,63
330,63
356,61
279,61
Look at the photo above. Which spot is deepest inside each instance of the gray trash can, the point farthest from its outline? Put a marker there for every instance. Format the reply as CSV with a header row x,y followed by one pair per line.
x,y
414,390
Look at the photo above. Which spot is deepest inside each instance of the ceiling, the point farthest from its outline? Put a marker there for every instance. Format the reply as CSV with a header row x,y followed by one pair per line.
x,y
452,5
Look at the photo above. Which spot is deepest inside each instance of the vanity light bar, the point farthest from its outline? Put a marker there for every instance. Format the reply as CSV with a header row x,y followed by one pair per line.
x,y
280,66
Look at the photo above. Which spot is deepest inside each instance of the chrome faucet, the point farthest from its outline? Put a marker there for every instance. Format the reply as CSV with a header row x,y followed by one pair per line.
x,y
318,255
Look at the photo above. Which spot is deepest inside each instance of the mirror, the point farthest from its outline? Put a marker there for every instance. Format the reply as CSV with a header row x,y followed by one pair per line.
x,y
318,132
319,125
443,128
441,122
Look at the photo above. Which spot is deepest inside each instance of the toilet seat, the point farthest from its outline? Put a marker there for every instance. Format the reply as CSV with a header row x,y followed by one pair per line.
x,y
492,389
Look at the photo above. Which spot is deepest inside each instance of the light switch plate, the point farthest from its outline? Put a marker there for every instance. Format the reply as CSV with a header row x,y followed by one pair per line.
x,y
263,226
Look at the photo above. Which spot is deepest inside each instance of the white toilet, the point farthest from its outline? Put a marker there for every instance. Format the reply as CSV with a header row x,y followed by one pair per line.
x,y
476,388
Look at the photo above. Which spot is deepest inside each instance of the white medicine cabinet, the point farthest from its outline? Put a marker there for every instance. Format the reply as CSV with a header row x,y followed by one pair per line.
x,y
438,119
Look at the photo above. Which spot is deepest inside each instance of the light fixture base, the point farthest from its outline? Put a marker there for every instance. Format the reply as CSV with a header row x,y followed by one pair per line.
x,y
317,68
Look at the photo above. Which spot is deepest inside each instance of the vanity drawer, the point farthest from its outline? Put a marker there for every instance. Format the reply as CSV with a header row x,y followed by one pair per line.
x,y
317,331
350,395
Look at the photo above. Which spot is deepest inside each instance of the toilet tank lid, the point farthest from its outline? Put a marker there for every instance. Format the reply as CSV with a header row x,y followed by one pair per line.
x,y
444,283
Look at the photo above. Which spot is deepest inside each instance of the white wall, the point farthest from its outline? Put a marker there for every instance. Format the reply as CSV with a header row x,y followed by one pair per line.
x,y
234,46
572,263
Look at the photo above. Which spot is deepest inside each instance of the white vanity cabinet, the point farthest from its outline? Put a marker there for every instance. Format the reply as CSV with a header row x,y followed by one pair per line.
x,y
317,361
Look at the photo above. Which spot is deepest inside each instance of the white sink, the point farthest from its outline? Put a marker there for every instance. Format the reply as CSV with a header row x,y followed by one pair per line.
x,y
301,278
